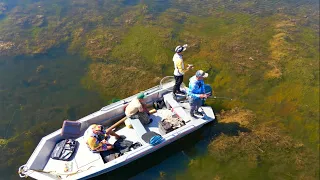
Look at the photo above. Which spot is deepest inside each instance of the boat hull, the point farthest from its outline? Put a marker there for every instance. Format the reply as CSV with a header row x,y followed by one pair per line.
x,y
38,162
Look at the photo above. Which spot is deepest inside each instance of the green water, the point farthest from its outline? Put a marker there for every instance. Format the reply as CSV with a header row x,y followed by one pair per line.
x,y
64,59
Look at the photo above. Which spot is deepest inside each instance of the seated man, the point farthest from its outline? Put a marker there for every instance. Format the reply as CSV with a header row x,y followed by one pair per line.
x,y
97,138
196,92
136,109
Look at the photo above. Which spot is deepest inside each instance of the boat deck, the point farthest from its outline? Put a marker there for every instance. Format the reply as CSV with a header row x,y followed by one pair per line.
x,y
86,164
85,159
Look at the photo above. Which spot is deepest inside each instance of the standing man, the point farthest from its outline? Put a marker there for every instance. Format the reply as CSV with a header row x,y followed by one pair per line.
x,y
196,92
179,69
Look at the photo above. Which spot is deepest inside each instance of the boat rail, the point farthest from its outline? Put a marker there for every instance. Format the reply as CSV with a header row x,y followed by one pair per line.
x,y
113,105
128,99
138,151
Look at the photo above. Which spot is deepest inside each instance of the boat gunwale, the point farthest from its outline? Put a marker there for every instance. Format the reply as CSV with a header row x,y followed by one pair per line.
x,y
146,149
103,110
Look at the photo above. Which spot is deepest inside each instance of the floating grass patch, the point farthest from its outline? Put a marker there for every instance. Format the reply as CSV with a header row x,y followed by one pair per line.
x,y
254,153
142,44
127,79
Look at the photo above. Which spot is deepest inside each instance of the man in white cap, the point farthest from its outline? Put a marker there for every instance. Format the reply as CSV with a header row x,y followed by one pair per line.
x,y
179,69
196,92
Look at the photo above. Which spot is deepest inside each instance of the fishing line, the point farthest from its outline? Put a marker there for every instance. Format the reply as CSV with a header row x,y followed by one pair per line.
x,y
6,131
186,155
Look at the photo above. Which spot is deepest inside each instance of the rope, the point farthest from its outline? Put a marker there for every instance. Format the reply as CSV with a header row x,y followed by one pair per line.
x,y
24,169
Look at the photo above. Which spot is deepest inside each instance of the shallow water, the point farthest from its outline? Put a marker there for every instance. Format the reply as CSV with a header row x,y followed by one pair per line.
x,y
65,59
42,88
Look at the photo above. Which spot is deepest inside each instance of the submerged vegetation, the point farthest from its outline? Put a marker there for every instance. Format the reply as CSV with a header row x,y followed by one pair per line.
x,y
241,150
263,54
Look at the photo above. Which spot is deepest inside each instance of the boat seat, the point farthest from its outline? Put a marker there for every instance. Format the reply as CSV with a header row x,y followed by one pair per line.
x,y
176,107
85,157
138,127
70,129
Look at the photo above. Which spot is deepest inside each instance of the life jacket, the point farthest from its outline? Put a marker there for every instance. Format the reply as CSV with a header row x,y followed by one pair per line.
x,y
98,137
177,57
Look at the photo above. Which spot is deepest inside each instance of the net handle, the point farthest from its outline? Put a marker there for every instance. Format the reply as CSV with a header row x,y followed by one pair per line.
x,y
162,84
164,78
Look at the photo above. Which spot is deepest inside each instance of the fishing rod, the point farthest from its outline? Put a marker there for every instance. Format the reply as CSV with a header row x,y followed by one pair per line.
x,y
221,97
217,97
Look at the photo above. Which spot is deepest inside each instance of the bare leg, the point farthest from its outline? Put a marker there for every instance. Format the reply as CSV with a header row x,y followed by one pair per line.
x,y
112,133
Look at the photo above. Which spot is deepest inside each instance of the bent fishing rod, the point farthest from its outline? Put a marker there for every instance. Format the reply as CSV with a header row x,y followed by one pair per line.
x,y
217,97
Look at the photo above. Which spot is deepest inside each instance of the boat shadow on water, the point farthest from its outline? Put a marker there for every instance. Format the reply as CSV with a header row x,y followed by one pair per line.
x,y
205,135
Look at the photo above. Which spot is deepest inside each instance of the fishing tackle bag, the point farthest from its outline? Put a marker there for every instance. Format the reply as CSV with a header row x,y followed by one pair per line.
x,y
165,127
159,104
64,150
169,124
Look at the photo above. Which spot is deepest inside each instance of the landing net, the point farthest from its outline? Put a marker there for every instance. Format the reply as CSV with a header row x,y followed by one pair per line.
x,y
168,82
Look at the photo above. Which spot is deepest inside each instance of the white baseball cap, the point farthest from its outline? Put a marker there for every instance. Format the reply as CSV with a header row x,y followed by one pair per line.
x,y
179,48
201,73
